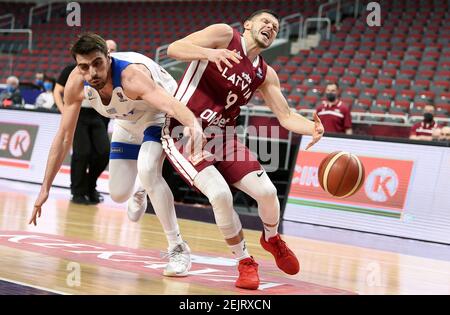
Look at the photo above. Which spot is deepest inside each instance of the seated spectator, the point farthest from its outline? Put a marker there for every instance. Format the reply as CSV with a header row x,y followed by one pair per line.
x,y
112,46
445,134
423,130
45,99
335,115
436,134
39,80
11,96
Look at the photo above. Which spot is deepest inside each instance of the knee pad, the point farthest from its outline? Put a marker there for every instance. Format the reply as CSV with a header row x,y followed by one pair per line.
x,y
213,185
122,178
221,199
262,189
233,228
149,165
268,192
269,205
227,219
149,174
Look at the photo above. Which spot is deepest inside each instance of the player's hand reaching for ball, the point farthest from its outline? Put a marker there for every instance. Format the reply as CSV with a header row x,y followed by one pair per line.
x,y
317,132
219,56
41,199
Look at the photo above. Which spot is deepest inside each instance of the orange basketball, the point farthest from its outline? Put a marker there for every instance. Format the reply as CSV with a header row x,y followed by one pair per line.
x,y
341,174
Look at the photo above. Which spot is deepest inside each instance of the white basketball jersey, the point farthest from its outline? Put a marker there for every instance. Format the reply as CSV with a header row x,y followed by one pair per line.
x,y
133,115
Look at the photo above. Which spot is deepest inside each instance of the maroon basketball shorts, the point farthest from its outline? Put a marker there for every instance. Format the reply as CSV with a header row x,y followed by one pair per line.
x,y
231,158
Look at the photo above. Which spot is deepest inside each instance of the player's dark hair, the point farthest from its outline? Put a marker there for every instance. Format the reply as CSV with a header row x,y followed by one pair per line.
x,y
256,13
88,43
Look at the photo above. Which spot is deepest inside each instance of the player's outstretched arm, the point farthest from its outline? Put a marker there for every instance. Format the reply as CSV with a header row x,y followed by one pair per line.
x,y
137,84
61,143
208,44
289,119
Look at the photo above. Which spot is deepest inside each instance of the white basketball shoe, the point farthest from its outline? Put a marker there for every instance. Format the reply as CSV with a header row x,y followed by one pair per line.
x,y
137,205
179,261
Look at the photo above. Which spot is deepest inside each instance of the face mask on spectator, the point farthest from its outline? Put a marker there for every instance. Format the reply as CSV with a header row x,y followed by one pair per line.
x,y
428,117
48,86
39,82
331,97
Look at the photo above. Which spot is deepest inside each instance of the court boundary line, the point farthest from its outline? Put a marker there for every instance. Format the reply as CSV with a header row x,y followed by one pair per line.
x,y
34,183
34,286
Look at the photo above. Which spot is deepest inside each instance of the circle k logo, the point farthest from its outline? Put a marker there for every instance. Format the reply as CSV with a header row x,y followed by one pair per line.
x,y
19,143
381,184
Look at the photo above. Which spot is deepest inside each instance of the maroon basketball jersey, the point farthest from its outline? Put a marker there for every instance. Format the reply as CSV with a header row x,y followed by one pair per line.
x,y
216,96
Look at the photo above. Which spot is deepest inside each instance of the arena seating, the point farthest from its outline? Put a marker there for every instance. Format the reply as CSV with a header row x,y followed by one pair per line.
x,y
394,69
136,26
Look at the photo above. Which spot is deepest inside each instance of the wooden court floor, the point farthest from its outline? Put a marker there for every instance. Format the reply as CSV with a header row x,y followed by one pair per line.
x,y
96,250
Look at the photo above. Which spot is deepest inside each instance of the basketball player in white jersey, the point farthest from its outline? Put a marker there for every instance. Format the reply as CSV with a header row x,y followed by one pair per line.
x,y
135,91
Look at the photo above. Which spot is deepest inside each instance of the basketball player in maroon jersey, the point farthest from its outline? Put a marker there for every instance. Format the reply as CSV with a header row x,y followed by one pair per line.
x,y
225,70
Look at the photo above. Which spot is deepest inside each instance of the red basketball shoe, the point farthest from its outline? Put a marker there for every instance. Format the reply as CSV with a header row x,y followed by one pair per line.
x,y
248,274
284,257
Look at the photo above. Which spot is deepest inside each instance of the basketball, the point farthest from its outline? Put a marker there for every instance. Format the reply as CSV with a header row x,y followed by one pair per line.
x,y
341,174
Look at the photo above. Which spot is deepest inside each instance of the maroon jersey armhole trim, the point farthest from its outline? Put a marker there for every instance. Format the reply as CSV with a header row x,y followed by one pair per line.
x,y
190,81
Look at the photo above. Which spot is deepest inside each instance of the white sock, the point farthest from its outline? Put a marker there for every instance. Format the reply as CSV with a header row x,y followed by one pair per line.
x,y
240,250
270,231
174,237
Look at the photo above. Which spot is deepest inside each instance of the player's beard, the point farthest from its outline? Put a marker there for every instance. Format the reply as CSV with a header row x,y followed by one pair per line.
x,y
101,83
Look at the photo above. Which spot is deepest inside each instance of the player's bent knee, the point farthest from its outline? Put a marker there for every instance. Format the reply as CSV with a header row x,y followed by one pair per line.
x,y
149,176
119,195
265,193
269,192
120,198
226,218
221,199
